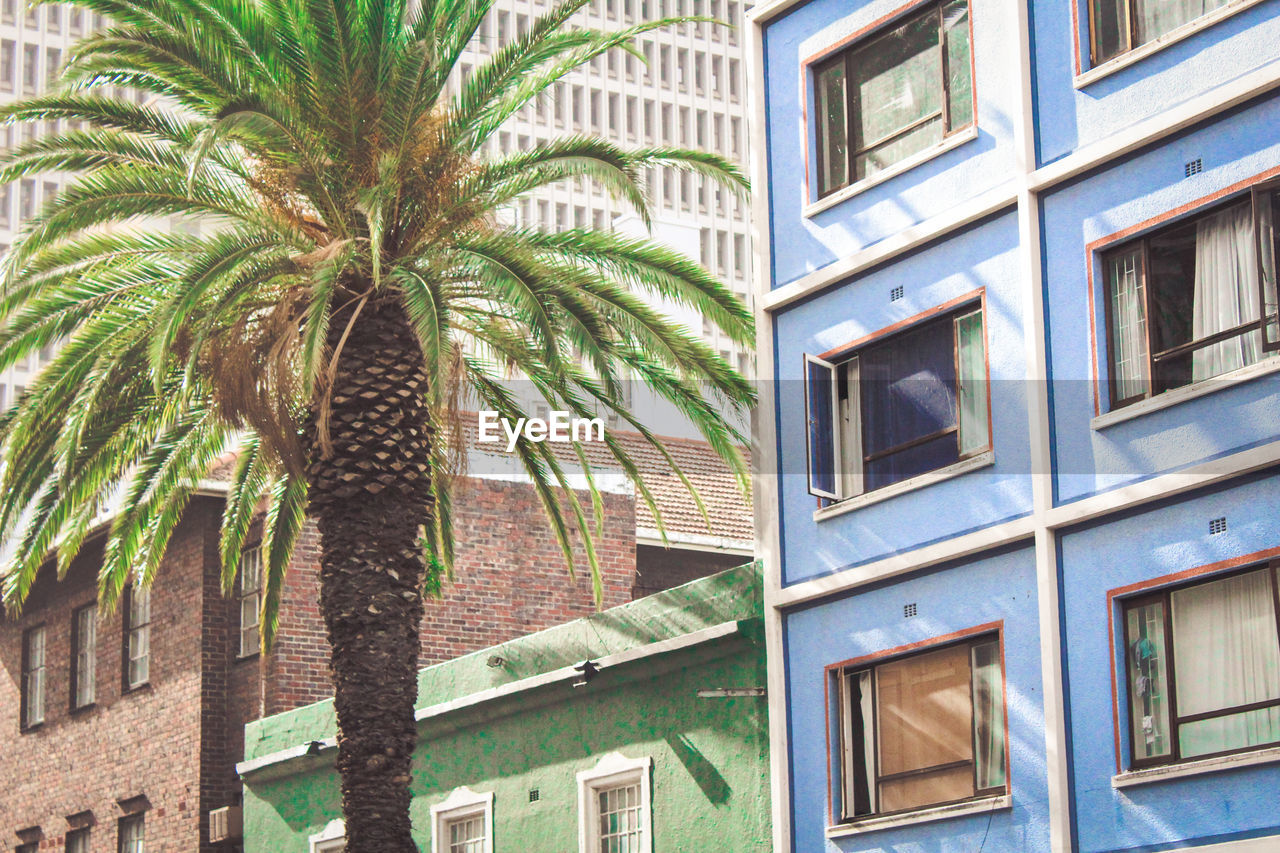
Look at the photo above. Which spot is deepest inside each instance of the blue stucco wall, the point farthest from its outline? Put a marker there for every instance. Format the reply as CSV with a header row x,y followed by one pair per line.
x,y
982,256
1234,149
802,244
1156,543
1070,118
999,587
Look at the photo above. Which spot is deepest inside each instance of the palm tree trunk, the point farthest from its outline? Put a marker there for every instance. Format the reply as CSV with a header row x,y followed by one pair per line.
x,y
369,497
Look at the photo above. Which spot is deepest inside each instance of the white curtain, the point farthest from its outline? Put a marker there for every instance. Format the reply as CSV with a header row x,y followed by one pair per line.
x,y
1226,291
1157,17
1226,653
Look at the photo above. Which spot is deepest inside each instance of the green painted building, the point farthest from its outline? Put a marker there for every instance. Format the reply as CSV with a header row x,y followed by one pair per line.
x,y
659,744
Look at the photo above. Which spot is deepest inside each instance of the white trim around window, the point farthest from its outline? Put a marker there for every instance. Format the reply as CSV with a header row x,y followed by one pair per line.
x,y
626,786
461,809
331,839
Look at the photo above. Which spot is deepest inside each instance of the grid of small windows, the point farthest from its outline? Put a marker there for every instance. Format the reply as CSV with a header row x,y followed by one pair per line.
x,y
621,830
688,91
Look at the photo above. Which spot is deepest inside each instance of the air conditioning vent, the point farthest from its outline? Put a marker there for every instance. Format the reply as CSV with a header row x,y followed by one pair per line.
x,y
534,795
896,294
1217,525
224,824
908,610
1193,167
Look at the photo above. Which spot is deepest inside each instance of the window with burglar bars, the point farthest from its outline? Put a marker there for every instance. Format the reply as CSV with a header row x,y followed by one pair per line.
x,y
137,637
250,596
893,94
1195,299
1202,665
921,730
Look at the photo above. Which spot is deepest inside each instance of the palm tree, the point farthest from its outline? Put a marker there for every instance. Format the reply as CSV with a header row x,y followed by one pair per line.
x,y
346,278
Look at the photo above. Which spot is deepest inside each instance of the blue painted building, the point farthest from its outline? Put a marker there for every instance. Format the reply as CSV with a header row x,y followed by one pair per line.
x,y
1020,461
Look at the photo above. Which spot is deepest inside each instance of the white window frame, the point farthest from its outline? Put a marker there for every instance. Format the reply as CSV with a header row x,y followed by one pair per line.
x,y
331,839
461,803
137,640
612,771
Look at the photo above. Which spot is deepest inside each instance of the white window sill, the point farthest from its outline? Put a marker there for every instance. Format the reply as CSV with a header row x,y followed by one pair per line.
x,y
1196,768
1266,366
955,140
964,466
874,824
1190,28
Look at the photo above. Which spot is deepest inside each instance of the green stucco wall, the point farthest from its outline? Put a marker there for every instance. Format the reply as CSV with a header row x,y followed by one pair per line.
x,y
710,756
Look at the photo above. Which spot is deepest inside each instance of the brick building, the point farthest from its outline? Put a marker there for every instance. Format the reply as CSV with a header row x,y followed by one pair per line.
x,y
127,725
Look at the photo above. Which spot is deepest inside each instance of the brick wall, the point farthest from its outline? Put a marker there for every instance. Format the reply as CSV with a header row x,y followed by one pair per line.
x,y
142,743
509,579
176,740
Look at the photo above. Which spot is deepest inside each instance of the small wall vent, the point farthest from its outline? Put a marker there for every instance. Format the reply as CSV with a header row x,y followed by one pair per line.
x,y
1217,525
1193,167
534,795
908,610
896,294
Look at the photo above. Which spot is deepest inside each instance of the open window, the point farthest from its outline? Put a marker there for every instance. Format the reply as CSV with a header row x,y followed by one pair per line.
x,y
1202,667
1193,300
921,730
900,406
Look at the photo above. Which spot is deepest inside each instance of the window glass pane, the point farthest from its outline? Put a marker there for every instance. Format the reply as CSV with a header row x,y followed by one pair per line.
x,y
859,745
1128,324
1110,21
833,139
925,720
1268,211
819,390
86,645
972,383
1226,654
988,716
1157,17
619,810
1148,681
897,86
955,25
908,394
